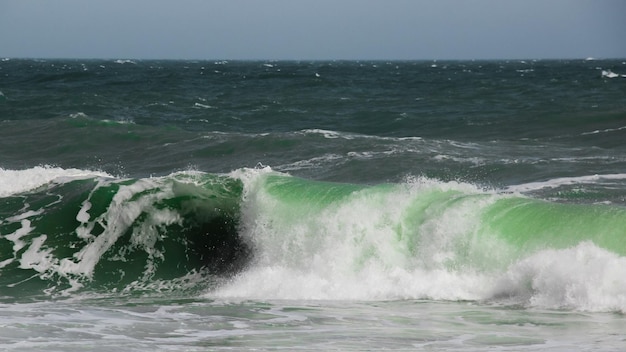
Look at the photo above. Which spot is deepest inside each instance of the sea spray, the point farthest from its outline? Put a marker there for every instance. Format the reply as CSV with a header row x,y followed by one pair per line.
x,y
583,277
424,239
339,241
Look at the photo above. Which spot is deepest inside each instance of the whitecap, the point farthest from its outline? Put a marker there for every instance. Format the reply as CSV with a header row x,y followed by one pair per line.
x,y
609,74
349,136
476,161
563,181
126,61
78,115
18,181
203,106
328,134
604,131
584,277
311,163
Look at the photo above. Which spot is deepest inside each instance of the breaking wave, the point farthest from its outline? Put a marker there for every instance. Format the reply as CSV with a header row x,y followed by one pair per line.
x,y
261,234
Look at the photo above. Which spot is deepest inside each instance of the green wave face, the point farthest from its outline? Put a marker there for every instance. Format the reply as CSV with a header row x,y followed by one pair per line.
x,y
115,235
530,225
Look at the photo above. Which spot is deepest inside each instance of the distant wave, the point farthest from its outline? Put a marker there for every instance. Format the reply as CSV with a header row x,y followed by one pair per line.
x,y
557,182
607,130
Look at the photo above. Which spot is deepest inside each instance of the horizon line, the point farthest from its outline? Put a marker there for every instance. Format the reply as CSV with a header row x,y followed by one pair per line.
x,y
589,58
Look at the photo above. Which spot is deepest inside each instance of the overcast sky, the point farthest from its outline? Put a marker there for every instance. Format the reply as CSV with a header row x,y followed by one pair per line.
x,y
313,29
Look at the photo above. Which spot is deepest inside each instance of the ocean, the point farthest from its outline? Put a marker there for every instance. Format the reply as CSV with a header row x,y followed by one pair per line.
x,y
328,205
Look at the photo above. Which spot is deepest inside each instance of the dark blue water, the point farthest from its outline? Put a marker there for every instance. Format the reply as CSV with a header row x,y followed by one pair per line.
x,y
154,117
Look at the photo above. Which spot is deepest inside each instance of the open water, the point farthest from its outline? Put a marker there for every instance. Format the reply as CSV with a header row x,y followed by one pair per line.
x,y
344,205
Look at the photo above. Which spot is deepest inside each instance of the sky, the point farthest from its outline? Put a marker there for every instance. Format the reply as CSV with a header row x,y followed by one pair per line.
x,y
313,29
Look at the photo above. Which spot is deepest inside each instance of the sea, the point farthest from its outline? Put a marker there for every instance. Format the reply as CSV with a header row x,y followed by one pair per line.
x,y
151,205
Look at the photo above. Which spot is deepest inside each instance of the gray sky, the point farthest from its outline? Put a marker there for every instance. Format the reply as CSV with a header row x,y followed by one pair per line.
x,y
313,29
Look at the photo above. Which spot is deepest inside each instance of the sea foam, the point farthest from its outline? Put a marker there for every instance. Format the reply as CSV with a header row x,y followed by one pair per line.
x,y
18,181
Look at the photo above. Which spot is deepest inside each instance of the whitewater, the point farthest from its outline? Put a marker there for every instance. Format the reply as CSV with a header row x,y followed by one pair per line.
x,y
195,205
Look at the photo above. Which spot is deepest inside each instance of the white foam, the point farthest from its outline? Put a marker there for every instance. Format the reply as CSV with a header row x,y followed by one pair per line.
x,y
312,163
18,181
23,216
364,247
361,248
329,134
563,181
36,257
604,131
78,115
203,106
16,236
350,136
124,209
122,121
584,277
83,214
125,61
370,283
129,202
609,74
476,161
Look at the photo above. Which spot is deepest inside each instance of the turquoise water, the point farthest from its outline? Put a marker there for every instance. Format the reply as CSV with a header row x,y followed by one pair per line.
x,y
312,205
